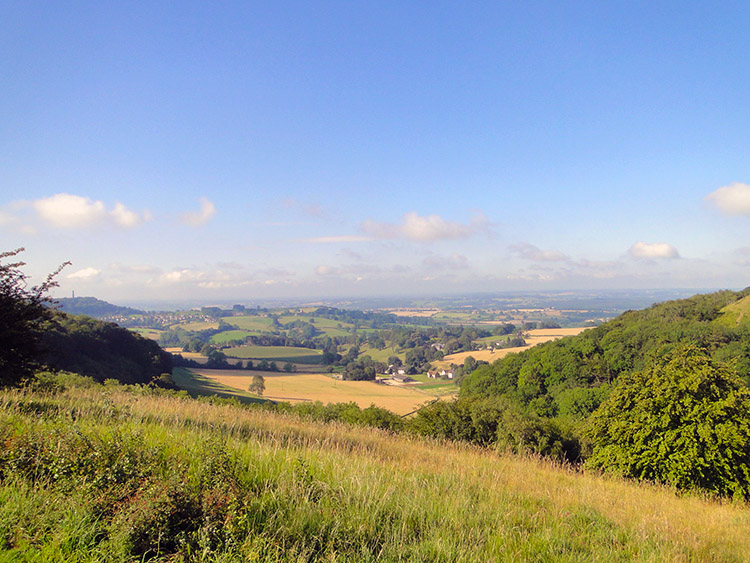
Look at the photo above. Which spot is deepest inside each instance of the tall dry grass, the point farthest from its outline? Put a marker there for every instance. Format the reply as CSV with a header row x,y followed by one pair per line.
x,y
331,492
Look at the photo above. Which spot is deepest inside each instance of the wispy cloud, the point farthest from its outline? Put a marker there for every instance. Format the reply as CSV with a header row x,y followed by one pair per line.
x,y
308,208
530,252
653,251
426,228
201,217
733,199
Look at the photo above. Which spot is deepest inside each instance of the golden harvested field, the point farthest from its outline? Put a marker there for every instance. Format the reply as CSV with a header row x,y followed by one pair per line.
x,y
301,387
189,355
533,337
198,325
412,312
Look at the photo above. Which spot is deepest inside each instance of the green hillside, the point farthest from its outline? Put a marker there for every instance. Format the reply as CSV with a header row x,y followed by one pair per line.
x,y
146,476
735,314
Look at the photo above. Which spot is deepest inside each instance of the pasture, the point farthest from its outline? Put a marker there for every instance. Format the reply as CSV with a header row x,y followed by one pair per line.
x,y
276,353
198,325
301,387
227,335
250,323
151,333
330,327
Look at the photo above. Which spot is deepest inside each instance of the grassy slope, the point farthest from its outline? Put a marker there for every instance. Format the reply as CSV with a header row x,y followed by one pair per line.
x,y
235,484
276,353
252,323
227,335
735,314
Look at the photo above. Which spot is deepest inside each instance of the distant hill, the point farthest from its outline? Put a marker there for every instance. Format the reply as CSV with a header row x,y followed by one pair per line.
x,y
93,307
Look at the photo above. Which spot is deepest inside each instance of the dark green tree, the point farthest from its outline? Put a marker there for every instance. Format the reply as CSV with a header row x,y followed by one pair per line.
x,y
683,421
23,313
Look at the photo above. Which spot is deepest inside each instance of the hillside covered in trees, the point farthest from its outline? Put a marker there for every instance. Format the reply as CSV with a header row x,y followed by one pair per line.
x,y
571,376
659,394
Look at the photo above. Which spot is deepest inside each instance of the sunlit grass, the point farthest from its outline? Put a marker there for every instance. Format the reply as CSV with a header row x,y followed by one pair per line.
x,y
272,487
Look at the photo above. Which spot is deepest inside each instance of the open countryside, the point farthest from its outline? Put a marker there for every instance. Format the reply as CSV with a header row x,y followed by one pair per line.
x,y
305,387
532,338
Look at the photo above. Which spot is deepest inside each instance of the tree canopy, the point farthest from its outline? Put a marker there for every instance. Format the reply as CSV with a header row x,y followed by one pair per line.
x,y
684,421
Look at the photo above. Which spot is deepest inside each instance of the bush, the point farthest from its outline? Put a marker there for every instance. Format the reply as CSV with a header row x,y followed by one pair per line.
x,y
684,421
23,312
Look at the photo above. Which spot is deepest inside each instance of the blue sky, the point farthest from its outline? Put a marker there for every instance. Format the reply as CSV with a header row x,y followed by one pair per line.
x,y
258,150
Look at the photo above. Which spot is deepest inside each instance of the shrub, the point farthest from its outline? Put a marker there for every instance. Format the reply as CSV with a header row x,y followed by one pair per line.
x,y
684,421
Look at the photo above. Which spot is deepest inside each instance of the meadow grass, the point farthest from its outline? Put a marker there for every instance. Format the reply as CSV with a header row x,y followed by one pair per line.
x,y
329,327
381,355
152,333
125,475
735,313
227,335
251,323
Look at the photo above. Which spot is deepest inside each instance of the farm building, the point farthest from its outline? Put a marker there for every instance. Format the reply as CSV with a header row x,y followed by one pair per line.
x,y
401,378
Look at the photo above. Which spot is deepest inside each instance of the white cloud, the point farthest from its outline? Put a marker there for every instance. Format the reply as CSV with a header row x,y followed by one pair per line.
x,y
84,274
70,211
733,199
531,252
198,218
653,251
425,229
127,218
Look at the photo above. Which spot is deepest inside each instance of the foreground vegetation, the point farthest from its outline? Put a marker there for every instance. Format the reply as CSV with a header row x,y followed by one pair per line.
x,y
114,473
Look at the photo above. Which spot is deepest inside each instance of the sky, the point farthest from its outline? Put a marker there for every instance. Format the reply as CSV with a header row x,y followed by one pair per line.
x,y
247,150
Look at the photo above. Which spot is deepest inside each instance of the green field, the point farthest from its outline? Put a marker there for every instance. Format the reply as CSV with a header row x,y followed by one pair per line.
x,y
380,355
276,353
227,335
252,323
151,333
330,327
